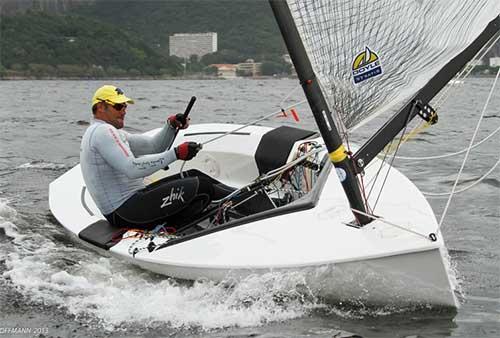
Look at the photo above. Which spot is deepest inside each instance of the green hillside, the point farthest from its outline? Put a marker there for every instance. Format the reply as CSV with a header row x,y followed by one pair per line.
x,y
42,44
100,38
247,27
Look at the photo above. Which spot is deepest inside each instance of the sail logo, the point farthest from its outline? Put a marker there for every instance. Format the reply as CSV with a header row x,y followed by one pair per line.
x,y
366,65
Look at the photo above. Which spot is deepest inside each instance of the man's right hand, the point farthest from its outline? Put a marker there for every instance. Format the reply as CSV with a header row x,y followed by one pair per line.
x,y
178,121
187,150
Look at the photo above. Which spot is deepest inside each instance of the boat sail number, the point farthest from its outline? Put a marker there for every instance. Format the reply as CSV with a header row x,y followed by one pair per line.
x,y
366,65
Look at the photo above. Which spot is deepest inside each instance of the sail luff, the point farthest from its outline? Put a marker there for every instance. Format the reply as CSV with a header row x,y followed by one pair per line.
x,y
392,127
319,108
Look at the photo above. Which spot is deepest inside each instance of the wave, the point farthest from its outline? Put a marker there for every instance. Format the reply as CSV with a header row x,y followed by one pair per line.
x,y
113,295
106,293
7,215
42,165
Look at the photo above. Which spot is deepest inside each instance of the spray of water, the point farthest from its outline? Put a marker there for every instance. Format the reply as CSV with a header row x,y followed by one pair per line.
x,y
106,292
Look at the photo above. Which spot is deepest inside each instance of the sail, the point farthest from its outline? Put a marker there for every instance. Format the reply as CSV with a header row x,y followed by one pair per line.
x,y
372,56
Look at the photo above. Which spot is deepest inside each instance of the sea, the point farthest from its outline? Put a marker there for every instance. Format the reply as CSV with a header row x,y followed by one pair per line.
x,y
51,286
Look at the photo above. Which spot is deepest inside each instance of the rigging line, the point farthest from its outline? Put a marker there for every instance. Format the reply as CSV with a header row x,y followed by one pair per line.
x,y
467,70
467,153
288,95
242,127
374,180
291,164
467,187
363,192
392,161
253,122
450,154
387,150
444,95
390,223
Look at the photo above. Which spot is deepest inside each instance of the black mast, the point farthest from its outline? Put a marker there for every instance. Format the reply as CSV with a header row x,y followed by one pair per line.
x,y
392,127
319,108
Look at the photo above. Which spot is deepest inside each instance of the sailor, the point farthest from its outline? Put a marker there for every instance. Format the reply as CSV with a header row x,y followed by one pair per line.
x,y
114,164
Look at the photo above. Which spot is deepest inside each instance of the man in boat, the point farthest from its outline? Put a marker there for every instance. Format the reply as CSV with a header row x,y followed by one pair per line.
x,y
114,164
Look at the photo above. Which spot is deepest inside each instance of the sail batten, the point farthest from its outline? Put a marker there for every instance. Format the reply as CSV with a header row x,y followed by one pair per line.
x,y
373,56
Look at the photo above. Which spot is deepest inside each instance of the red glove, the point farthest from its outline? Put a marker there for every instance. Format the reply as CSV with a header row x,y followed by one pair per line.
x,y
178,121
187,150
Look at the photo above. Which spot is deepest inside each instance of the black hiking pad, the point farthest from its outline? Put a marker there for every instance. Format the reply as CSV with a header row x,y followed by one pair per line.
x,y
102,234
275,146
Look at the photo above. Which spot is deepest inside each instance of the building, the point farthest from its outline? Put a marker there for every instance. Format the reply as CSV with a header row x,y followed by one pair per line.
x,y
249,68
225,70
184,45
495,62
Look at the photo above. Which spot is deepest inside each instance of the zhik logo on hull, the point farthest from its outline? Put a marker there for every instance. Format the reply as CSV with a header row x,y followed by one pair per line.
x,y
366,65
175,195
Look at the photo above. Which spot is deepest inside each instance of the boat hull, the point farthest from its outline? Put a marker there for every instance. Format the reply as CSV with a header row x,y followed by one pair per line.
x,y
376,264
417,278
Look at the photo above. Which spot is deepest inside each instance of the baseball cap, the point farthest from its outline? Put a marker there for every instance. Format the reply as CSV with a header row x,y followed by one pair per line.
x,y
110,94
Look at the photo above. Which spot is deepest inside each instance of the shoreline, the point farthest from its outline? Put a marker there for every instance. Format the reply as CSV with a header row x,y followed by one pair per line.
x,y
163,78
145,78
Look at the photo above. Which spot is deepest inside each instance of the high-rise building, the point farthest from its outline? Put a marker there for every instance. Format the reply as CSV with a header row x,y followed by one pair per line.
x,y
495,62
186,44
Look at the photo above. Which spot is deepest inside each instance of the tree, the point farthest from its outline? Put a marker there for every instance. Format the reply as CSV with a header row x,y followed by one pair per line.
x,y
210,70
222,56
275,68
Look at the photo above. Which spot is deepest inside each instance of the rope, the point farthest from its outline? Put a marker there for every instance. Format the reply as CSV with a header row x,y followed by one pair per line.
x,y
467,187
467,70
289,94
242,127
392,161
253,122
445,93
449,154
390,223
467,153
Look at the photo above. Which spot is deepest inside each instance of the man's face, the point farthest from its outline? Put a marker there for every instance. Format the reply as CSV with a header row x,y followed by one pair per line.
x,y
113,114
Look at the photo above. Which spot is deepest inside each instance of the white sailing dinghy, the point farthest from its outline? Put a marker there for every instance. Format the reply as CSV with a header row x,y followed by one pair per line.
x,y
300,204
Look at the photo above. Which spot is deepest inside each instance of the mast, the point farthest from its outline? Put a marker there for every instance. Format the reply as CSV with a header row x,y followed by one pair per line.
x,y
319,108
392,127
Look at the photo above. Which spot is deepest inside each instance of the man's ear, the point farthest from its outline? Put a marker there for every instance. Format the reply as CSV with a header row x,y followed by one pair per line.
x,y
98,108
102,106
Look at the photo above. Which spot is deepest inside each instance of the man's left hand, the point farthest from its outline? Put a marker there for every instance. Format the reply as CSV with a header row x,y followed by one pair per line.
x,y
178,121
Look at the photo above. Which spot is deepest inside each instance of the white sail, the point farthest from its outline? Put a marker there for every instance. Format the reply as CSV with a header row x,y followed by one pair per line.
x,y
372,56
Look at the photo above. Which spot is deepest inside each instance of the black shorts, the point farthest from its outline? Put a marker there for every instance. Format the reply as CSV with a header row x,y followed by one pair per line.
x,y
174,200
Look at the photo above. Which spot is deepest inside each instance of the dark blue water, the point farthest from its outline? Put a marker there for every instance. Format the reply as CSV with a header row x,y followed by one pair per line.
x,y
55,286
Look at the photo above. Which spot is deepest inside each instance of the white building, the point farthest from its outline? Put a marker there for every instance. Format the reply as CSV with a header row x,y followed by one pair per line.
x,y
495,62
249,68
186,44
225,71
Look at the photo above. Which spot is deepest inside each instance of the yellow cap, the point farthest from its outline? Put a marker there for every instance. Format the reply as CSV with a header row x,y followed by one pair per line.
x,y
110,94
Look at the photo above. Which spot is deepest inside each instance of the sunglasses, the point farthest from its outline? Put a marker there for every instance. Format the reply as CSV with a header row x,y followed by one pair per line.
x,y
117,106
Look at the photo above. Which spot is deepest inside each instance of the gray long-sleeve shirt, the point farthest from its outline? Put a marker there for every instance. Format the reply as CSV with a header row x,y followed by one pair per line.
x,y
114,162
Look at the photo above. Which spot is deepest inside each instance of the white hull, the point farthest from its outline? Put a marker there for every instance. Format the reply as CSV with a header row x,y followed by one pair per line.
x,y
378,263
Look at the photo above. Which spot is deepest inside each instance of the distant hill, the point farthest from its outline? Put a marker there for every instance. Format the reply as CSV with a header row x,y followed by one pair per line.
x,y
12,7
93,38
247,27
130,37
43,44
